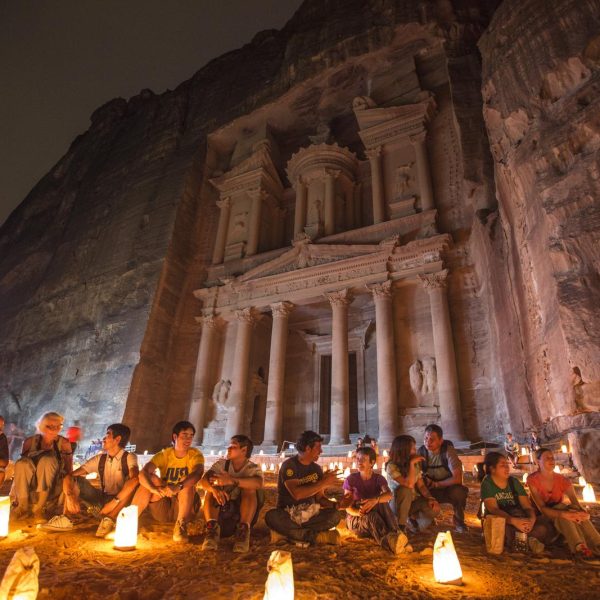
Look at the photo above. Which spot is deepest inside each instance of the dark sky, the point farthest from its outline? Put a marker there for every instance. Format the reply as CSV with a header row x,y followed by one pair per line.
x,y
60,60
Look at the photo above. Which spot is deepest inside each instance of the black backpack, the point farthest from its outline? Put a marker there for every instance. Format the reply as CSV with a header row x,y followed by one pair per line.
x,y
102,467
444,453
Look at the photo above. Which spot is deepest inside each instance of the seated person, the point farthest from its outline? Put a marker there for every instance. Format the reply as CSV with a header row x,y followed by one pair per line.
x,y
366,500
171,496
412,503
443,475
118,474
512,449
232,502
4,453
300,485
45,459
547,489
504,496
534,441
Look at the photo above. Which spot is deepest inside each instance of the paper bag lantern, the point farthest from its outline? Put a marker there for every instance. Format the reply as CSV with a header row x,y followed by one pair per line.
x,y
524,451
564,449
280,581
588,493
4,515
525,475
349,453
446,568
582,481
126,529
385,454
557,469
263,467
20,581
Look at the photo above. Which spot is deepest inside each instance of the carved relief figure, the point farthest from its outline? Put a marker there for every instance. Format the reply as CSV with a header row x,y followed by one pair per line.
x,y
404,180
221,394
415,373
239,223
429,375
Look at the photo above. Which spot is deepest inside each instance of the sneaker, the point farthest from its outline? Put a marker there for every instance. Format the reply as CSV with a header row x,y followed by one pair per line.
x,y
331,537
242,538
213,535
583,552
400,543
277,537
180,532
105,527
57,523
535,546
460,527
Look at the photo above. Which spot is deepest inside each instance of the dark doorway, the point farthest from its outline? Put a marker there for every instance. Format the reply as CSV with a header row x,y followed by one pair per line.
x,y
325,394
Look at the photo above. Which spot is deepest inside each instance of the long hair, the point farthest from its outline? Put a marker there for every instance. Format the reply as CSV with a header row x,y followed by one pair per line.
x,y
400,453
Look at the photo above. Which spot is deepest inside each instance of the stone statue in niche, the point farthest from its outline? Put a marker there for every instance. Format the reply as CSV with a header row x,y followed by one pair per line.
x,y
221,394
404,180
429,375
315,212
415,373
239,223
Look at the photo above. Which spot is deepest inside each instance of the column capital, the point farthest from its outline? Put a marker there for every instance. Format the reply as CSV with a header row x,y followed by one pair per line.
x,y
339,298
224,203
432,281
208,321
373,153
257,194
418,138
381,290
298,182
332,173
281,309
247,315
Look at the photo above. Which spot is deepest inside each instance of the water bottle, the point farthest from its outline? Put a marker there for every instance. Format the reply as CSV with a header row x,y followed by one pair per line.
x,y
521,543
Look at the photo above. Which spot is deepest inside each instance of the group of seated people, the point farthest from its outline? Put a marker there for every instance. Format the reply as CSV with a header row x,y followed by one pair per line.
x,y
389,509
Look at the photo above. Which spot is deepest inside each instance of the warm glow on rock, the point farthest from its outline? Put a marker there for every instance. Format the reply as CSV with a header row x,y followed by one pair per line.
x,y
446,568
126,529
588,493
4,515
280,581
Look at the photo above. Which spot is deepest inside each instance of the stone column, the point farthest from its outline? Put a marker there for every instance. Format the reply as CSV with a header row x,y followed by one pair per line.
x,y
330,201
387,397
340,396
425,187
203,380
349,196
445,359
254,225
239,380
300,209
377,190
274,417
219,251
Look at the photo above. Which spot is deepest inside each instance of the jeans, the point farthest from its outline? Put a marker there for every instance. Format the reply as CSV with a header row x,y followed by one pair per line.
x,y
279,520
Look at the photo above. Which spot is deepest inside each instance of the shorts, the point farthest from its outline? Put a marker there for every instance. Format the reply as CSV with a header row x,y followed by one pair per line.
x,y
166,510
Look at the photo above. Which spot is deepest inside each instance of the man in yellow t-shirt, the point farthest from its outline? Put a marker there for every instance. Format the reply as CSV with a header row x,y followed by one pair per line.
x,y
171,495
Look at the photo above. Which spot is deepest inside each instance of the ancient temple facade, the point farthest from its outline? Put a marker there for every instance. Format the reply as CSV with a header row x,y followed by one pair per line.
x,y
346,329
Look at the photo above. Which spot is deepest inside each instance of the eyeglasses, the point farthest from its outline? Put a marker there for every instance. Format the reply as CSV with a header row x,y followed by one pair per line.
x,y
54,427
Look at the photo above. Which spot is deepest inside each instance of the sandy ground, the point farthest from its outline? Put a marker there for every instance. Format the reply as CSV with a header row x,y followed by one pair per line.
x,y
77,565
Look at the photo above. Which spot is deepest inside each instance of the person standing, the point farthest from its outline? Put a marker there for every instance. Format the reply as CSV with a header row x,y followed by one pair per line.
x,y
303,513
443,475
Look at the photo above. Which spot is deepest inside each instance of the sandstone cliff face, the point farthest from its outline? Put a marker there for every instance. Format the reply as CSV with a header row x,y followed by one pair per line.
x,y
541,80
98,264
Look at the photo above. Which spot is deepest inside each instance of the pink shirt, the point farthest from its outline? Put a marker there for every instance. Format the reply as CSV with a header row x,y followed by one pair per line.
x,y
560,485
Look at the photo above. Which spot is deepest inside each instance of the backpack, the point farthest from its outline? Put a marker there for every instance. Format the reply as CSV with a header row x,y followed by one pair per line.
x,y
444,454
513,489
102,467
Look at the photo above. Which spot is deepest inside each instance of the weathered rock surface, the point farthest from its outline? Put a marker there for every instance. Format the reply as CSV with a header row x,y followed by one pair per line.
x,y
98,264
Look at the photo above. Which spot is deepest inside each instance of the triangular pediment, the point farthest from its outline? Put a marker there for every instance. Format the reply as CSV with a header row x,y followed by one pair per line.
x,y
373,117
306,255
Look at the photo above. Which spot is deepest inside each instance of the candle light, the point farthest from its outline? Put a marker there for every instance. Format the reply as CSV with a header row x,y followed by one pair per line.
x,y
282,455
346,472
446,567
126,529
332,466
375,466
385,454
280,581
4,515
271,467
263,467
353,465
582,481
588,493
524,451
145,452
564,449
340,465
525,475
261,452
556,469
349,453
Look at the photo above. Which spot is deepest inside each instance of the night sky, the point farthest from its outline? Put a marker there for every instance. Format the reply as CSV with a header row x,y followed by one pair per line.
x,y
60,60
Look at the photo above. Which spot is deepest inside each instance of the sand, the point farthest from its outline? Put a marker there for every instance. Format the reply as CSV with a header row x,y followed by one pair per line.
x,y
77,565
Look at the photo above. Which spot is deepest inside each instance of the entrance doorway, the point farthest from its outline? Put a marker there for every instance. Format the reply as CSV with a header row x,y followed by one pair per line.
x,y
325,394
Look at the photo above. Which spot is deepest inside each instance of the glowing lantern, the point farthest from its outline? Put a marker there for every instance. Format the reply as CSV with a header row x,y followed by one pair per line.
x,y
340,465
91,476
385,454
349,453
126,529
261,452
145,452
282,455
446,568
353,465
375,467
280,581
525,475
346,472
271,467
588,493
524,451
564,449
212,452
4,515
556,469
582,481
263,467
